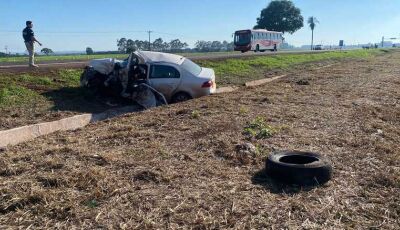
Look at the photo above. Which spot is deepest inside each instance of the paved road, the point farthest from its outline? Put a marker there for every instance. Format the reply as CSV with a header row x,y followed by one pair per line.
x,y
211,56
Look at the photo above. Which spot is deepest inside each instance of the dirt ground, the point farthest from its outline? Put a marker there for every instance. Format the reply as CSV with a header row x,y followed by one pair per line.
x,y
177,167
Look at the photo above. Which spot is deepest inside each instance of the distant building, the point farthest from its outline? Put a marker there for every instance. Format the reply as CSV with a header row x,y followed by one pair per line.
x,y
286,45
386,44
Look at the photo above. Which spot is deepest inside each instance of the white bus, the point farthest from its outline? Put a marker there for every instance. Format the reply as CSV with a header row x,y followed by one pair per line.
x,y
257,40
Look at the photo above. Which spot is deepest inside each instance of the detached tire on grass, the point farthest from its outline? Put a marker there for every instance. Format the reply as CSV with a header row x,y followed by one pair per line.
x,y
301,168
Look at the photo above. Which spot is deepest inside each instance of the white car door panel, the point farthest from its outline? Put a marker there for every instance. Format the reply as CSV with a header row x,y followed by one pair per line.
x,y
164,78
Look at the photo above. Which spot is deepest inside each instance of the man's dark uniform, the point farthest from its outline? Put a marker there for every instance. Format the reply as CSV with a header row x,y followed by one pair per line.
x,y
28,34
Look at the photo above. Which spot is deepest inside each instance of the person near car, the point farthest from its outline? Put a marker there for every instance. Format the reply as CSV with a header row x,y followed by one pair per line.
x,y
29,39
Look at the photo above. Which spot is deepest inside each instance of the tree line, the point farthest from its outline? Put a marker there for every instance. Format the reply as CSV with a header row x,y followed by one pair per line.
x,y
213,46
128,45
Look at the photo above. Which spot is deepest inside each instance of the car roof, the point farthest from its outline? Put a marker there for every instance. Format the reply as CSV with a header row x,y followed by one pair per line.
x,y
152,57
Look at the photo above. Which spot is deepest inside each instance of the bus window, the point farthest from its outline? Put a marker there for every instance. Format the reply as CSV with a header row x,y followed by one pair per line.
x,y
242,38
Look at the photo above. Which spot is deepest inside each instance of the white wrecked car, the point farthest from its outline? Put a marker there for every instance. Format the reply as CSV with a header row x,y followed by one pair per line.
x,y
174,77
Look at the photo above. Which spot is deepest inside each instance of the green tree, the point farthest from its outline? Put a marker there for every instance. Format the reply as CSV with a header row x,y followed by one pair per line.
x,y
121,43
130,46
312,21
203,46
46,51
216,46
228,46
89,51
282,16
165,46
158,44
176,45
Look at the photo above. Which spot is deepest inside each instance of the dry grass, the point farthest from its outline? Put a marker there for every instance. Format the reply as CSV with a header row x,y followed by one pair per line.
x,y
166,168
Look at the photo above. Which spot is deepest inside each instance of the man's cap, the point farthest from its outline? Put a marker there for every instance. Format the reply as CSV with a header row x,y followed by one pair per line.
x,y
28,22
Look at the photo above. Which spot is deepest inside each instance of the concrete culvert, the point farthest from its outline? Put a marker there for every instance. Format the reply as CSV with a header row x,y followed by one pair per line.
x,y
301,168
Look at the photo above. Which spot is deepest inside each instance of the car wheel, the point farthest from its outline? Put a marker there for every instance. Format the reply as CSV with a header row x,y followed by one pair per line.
x,y
180,97
301,168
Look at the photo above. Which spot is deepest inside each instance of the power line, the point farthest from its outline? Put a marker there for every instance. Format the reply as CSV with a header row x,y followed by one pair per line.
x,y
78,32
103,32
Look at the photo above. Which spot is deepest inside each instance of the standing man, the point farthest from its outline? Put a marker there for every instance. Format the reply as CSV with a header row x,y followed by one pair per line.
x,y
29,38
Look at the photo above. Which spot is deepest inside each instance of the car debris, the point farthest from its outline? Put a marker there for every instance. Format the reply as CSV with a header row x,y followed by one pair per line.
x,y
149,78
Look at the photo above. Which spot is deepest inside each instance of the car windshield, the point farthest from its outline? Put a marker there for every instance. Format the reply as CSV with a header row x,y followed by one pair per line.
x,y
192,67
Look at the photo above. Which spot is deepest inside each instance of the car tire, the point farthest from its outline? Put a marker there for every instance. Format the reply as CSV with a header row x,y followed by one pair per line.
x,y
180,97
301,168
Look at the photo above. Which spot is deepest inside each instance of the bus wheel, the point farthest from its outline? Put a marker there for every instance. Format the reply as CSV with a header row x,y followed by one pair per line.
x,y
258,48
275,48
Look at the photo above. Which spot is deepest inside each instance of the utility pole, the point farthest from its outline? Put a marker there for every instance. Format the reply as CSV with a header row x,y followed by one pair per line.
x,y
6,48
150,38
383,41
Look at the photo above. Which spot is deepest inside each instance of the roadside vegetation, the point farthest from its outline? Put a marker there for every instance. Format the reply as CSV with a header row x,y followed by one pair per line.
x,y
23,89
84,57
30,97
44,58
238,71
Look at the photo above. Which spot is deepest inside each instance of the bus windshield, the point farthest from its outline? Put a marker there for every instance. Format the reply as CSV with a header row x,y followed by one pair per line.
x,y
242,38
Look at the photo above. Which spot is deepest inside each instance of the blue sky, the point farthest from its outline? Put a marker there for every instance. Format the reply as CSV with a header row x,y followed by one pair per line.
x,y
65,25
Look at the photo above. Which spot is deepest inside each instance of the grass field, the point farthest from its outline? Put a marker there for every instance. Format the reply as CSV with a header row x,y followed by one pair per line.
x,y
238,71
43,58
183,166
45,95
